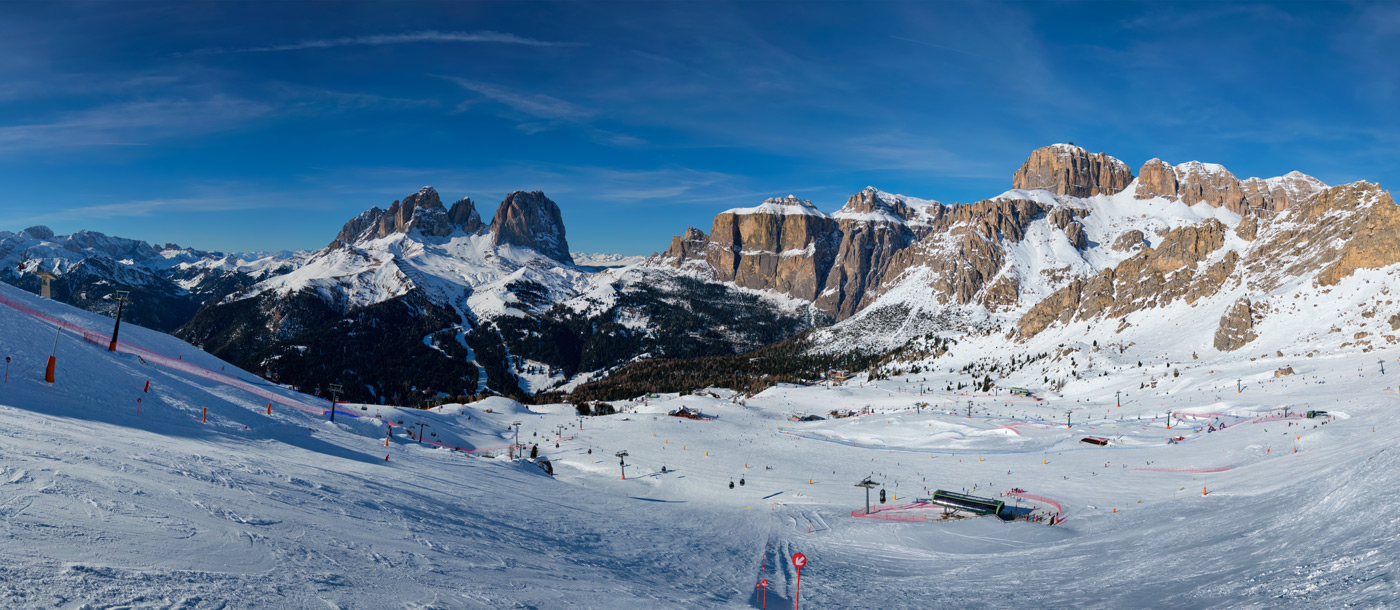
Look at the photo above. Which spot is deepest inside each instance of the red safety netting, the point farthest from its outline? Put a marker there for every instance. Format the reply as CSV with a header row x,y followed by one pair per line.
x,y
1183,469
1060,515
891,512
103,340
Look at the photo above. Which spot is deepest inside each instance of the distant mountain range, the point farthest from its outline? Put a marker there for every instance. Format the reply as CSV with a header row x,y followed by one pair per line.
x,y
422,300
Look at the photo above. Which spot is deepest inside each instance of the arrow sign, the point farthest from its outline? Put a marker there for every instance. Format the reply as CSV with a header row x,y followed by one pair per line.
x,y
799,561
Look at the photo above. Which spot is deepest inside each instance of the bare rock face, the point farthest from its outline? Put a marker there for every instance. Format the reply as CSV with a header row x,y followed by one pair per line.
x,y
1333,233
1065,169
463,214
1210,183
531,220
1248,229
1292,188
1150,278
1394,322
420,211
964,252
686,248
785,245
1236,327
873,227
1188,245
1283,372
1130,240
1195,182
1156,179
1076,235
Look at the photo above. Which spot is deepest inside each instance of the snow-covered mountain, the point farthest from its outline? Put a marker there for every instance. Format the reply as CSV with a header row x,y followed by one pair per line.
x,y
420,299
599,259
167,283
1078,247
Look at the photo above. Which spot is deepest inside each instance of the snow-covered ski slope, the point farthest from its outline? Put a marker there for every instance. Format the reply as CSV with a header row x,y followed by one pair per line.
x,y
100,507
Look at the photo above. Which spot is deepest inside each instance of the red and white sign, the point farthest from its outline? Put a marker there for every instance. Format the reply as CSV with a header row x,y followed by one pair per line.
x,y
799,561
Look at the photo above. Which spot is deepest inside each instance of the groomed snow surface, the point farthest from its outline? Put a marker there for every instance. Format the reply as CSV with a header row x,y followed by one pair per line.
x,y
104,508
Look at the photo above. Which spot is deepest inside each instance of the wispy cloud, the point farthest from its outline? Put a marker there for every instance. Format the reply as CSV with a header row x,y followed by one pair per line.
x,y
131,123
392,39
146,208
537,105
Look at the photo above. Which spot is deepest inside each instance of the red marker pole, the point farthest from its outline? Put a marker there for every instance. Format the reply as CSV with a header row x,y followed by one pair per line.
x,y
799,561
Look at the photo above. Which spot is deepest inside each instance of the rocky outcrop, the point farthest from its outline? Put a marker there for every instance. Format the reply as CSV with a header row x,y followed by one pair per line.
x,y
1331,234
1151,278
964,252
686,248
1076,235
873,226
421,211
1195,182
1236,327
1209,183
463,214
1066,169
531,220
785,245
1283,371
1157,179
1130,240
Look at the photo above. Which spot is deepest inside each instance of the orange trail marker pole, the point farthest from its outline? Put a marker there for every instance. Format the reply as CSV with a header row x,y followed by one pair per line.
x,y
204,418
148,386
269,408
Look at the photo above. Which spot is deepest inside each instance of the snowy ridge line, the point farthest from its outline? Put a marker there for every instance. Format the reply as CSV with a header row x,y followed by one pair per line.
x,y
1183,469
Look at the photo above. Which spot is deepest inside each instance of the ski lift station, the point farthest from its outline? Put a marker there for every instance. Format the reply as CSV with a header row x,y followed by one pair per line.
x,y
972,504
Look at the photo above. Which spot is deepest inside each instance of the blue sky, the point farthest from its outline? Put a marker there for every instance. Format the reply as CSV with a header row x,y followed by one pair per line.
x,y
266,125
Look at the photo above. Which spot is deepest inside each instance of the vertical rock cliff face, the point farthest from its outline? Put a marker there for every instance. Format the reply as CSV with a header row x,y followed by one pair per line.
x,y
785,245
788,246
1066,169
531,220
874,226
1078,241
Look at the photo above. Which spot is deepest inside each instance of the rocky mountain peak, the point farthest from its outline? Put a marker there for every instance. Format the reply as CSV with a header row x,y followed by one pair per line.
x,y
1196,182
422,211
531,220
871,200
463,214
1066,169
